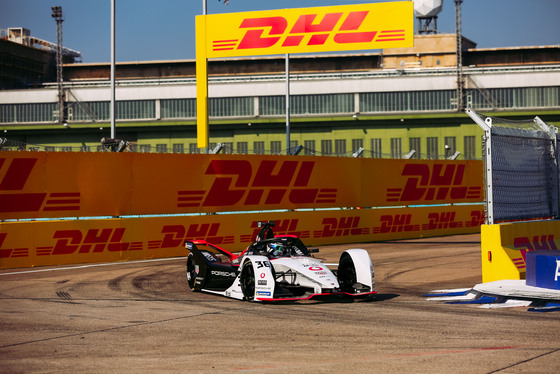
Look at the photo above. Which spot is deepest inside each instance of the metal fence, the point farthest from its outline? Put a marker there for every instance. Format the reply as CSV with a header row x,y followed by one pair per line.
x,y
521,167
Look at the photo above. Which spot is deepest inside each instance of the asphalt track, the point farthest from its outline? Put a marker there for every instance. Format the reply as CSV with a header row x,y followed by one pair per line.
x,y
140,317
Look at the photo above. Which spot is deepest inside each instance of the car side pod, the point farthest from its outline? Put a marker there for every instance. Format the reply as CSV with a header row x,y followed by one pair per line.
x,y
355,272
257,278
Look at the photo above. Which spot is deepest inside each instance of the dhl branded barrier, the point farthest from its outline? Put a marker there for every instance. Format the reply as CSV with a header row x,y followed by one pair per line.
x,y
50,185
42,243
504,247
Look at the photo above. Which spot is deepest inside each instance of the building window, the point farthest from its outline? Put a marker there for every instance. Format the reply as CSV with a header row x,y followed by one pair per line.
x,y
376,151
396,148
231,107
450,146
258,148
178,108
276,147
178,148
470,147
193,148
416,145
357,144
145,148
432,143
309,147
293,147
242,148
326,147
228,148
340,147
161,148
406,101
307,104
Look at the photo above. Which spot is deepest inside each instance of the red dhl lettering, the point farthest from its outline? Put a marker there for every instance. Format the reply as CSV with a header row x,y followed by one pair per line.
x,y
266,32
11,252
175,235
111,240
395,223
273,182
436,183
16,177
93,241
343,226
436,221
537,242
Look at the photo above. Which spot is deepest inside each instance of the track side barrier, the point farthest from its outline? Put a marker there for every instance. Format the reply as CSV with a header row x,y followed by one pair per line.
x,y
45,243
66,184
504,247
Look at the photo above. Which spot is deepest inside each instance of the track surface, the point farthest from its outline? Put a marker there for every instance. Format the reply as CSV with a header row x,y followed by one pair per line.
x,y
140,317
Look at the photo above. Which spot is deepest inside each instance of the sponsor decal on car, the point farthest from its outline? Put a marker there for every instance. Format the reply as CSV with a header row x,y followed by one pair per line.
x,y
229,274
262,282
263,293
315,268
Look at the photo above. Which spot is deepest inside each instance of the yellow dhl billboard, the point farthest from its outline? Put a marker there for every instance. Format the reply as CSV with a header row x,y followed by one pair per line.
x,y
300,30
304,30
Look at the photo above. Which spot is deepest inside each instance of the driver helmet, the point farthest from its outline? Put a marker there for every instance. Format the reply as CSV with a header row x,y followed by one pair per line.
x,y
276,249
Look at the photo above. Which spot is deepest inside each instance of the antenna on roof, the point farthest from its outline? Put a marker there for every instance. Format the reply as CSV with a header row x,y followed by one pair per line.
x,y
426,12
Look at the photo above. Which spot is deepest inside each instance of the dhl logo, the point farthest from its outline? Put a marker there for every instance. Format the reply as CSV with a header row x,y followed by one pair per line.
x,y
272,183
391,223
14,174
434,182
344,29
350,27
343,226
538,242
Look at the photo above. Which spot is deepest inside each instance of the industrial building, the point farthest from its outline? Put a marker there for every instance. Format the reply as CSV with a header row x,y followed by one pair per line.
x,y
387,103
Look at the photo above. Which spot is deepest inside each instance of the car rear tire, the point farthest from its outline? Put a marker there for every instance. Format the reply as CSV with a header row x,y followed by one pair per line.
x,y
191,272
247,279
346,275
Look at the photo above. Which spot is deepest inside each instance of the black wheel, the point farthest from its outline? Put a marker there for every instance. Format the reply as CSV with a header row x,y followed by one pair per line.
x,y
247,279
191,272
347,274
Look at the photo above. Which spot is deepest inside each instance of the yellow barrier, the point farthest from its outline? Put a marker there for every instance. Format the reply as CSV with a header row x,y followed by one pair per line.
x,y
50,185
504,247
42,243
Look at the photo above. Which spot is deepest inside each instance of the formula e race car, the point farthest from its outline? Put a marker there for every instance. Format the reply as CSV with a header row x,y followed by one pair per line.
x,y
277,268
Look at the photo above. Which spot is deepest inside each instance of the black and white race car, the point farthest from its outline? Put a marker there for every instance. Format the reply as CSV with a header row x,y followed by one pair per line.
x,y
277,268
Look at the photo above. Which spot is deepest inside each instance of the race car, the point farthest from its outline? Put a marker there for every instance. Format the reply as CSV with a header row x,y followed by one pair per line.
x,y
277,268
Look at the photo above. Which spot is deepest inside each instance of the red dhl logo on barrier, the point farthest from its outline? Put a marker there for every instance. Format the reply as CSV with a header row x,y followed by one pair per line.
x,y
272,183
438,182
350,27
111,240
15,176
525,244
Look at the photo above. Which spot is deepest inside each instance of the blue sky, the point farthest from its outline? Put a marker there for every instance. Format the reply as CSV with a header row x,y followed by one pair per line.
x,y
164,30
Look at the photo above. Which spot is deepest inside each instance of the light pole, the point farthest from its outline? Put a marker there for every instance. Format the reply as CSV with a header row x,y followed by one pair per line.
x,y
59,18
112,106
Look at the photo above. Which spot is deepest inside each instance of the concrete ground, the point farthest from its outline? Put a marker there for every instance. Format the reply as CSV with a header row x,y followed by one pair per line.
x,y
141,317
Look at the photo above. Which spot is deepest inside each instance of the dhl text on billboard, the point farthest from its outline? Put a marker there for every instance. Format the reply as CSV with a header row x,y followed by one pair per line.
x,y
44,243
48,185
321,29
